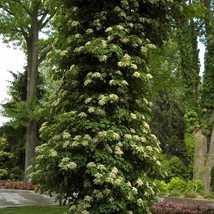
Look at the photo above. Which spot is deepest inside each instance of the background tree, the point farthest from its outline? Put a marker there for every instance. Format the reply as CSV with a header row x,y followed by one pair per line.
x,y
97,141
21,22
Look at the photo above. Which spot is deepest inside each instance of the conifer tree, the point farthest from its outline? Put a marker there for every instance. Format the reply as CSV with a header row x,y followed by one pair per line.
x,y
98,151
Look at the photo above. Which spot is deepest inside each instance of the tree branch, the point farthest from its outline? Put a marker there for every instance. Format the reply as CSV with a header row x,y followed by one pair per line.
x,y
23,6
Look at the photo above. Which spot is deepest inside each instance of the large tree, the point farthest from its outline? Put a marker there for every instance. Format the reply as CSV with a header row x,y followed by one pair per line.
x,y
20,23
205,135
98,151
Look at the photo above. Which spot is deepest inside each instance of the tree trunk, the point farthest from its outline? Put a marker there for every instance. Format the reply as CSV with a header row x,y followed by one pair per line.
x,y
210,159
200,155
32,69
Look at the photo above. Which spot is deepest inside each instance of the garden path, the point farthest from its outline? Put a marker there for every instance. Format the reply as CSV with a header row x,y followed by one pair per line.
x,y
13,198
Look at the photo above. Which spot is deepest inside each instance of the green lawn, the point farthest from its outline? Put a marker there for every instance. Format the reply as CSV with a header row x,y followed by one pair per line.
x,y
35,210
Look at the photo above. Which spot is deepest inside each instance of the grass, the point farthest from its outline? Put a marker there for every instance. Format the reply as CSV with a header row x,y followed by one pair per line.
x,y
35,210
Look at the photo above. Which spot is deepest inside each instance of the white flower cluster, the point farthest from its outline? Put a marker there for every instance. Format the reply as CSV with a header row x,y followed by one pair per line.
x,y
96,75
113,97
146,125
75,23
77,36
82,114
103,99
89,31
151,46
67,164
133,116
63,53
91,165
140,182
119,27
108,29
118,150
136,74
113,177
66,135
149,76
134,66
88,100
78,49
125,62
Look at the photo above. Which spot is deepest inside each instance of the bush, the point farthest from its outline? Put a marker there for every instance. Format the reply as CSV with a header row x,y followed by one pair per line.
x,y
196,186
177,184
181,208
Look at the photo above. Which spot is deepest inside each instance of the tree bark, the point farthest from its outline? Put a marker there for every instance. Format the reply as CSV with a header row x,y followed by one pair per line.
x,y
210,159
200,155
32,69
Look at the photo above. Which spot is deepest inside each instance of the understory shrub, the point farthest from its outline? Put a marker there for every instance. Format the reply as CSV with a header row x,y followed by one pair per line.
x,y
178,186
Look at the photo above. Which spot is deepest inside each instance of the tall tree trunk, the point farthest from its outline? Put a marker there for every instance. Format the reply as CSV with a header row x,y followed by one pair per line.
x,y
32,69
210,159
200,155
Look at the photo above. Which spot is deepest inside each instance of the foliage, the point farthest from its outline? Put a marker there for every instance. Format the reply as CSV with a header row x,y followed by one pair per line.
x,y
181,186
177,184
98,149
177,168
170,207
5,156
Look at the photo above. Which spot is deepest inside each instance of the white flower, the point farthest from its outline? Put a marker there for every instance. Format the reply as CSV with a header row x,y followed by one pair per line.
x,y
102,102
143,50
88,100
90,30
132,130
118,150
75,23
133,116
87,82
116,136
151,46
78,49
102,134
140,182
149,76
119,72
140,202
158,162
125,40
108,29
103,58
53,153
91,110
128,136
134,66
82,114
127,57
66,135
124,82
113,97
91,164
149,148
63,53
88,43
146,125
136,74
134,189
77,35
97,75
120,27
88,198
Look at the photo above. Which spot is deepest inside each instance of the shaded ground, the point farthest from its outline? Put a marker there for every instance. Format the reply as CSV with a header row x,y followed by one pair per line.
x,y
16,198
